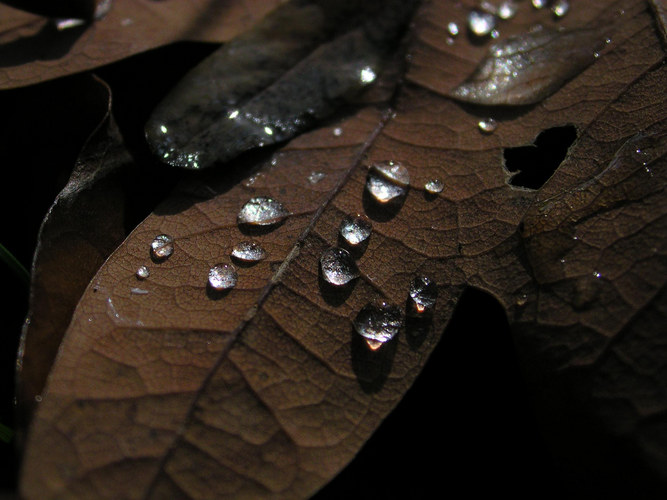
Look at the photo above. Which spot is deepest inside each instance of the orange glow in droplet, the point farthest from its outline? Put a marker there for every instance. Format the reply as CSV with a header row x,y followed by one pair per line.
x,y
373,344
420,308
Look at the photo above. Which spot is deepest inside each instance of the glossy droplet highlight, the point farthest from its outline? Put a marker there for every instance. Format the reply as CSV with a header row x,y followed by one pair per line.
x,y
262,211
560,8
222,277
162,247
487,125
539,4
387,181
248,251
355,229
507,9
481,23
453,28
423,294
316,177
378,322
142,273
338,266
434,186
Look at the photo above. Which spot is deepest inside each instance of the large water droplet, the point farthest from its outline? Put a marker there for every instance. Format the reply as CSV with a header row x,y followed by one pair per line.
x,y
338,266
355,229
378,322
387,181
434,186
222,277
487,125
248,251
162,247
507,9
143,273
481,23
262,211
423,294
560,8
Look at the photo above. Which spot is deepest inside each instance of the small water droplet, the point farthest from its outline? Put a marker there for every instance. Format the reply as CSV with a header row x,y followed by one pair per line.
x,y
453,28
507,9
143,273
521,300
596,274
449,40
162,247
434,186
355,229
248,251
487,125
65,24
138,291
495,34
222,277
539,4
481,23
378,322
338,266
337,132
262,211
316,177
252,179
38,398
596,54
560,8
367,75
423,294
387,181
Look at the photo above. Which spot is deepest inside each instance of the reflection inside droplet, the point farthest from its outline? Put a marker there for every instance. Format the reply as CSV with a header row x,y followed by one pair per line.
x,y
162,247
378,322
423,294
338,266
434,186
222,277
487,125
143,273
387,181
262,211
248,251
355,229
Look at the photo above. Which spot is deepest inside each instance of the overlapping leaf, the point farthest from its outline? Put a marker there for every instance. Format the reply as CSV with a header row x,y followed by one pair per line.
x,y
163,390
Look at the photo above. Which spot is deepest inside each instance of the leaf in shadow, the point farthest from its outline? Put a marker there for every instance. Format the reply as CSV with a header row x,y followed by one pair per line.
x,y
80,230
266,392
130,27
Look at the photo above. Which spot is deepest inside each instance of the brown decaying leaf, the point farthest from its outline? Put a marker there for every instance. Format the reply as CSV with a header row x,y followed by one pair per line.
x,y
268,390
81,229
33,51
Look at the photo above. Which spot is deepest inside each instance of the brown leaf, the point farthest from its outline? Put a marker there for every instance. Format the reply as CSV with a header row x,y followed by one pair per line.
x,y
170,391
32,50
81,229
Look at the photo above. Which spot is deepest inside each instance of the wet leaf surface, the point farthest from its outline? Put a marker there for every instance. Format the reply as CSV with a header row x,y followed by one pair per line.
x,y
268,389
32,50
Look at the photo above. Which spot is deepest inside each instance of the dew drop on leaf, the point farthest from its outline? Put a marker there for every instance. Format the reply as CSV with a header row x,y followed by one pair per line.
x,y
539,4
453,28
481,23
507,9
262,211
487,125
143,273
560,8
355,229
316,177
162,247
338,266
378,322
434,186
423,294
222,277
248,251
387,181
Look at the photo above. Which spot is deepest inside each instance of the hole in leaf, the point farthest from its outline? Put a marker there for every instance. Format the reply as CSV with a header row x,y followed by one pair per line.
x,y
534,164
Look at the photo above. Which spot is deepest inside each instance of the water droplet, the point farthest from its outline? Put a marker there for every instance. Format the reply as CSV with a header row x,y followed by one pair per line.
x,y
423,294
355,229
65,24
162,247
248,251
338,266
262,211
337,131
560,8
521,300
487,125
387,181
222,277
367,75
38,398
453,28
507,9
434,186
143,273
252,179
495,34
378,322
539,4
138,291
316,177
481,23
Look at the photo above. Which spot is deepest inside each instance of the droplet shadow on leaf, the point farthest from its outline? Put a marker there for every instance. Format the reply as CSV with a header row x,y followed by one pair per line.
x,y
381,212
334,295
214,294
371,367
417,327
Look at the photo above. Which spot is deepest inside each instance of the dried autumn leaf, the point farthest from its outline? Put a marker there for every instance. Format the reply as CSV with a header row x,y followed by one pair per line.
x,y
268,390
32,50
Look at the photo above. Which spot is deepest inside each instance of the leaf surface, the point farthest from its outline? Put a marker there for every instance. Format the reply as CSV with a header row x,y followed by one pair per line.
x,y
32,50
173,392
